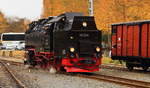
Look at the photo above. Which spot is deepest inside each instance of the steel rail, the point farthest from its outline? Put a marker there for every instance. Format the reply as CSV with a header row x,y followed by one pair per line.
x,y
106,66
121,68
118,80
112,79
12,62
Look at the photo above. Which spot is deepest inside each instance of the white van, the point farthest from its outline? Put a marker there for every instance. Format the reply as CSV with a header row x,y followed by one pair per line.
x,y
12,41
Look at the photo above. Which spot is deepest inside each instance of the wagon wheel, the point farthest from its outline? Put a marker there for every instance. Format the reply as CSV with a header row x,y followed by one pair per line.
x,y
129,66
145,68
62,69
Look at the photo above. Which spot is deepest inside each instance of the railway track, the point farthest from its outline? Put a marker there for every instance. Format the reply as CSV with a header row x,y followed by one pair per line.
x,y
112,79
118,80
12,62
113,67
18,82
122,68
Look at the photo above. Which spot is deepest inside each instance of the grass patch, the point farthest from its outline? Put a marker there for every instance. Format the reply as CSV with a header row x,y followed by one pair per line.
x,y
108,60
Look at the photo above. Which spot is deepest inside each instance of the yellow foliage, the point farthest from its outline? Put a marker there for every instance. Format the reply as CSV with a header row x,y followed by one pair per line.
x,y
106,12
56,7
3,23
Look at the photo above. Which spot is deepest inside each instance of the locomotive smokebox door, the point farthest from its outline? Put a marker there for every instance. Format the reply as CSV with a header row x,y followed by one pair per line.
x,y
77,31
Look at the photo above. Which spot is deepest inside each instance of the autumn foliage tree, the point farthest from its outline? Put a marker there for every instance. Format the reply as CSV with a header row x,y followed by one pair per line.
x,y
56,7
114,11
3,23
12,24
16,24
106,12
132,10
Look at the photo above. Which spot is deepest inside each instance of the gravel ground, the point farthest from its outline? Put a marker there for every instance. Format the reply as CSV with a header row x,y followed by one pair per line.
x,y
37,78
137,74
5,79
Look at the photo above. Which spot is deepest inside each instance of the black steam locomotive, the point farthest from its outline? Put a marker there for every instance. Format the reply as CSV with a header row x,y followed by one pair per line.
x,y
69,42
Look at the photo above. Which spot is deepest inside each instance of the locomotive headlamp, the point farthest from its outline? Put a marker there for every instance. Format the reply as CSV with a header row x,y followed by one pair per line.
x,y
63,19
98,49
84,24
72,49
71,37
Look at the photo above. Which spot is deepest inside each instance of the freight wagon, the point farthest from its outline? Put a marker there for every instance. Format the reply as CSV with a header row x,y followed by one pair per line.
x,y
131,43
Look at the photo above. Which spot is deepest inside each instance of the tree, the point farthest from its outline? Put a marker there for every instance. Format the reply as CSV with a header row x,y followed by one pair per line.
x,y
16,24
3,22
106,12
131,10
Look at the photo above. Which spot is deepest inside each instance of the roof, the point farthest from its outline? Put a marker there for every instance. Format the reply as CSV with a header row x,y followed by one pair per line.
x,y
14,33
68,15
132,22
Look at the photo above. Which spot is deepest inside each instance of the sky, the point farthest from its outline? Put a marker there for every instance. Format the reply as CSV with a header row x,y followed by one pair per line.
x,y
30,9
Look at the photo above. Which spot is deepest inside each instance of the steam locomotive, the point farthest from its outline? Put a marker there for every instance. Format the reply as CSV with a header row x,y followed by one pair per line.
x,y
69,42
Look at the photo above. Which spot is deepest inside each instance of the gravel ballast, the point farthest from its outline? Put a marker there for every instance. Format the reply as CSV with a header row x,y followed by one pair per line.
x,y
6,80
38,78
136,74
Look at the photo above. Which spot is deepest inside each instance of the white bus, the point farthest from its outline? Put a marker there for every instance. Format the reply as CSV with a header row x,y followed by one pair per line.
x,y
13,41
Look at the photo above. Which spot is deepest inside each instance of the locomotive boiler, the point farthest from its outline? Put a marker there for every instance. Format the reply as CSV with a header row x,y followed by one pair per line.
x,y
69,42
